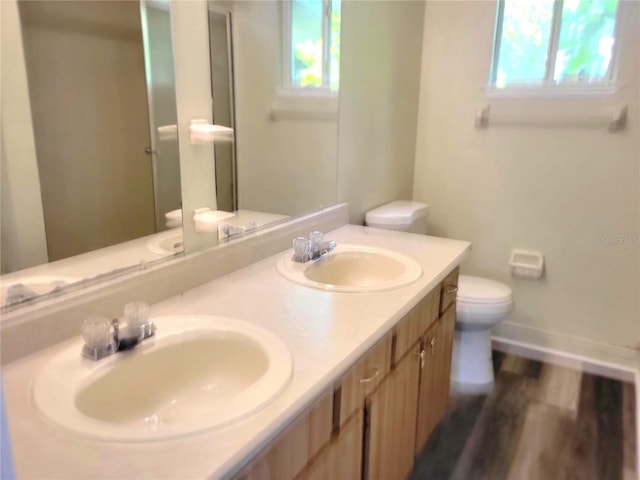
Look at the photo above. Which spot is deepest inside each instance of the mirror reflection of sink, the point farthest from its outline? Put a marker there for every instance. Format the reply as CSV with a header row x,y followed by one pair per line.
x,y
352,268
197,373
166,243
20,289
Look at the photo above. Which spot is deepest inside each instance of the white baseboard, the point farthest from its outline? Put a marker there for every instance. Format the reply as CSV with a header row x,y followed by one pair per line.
x,y
594,357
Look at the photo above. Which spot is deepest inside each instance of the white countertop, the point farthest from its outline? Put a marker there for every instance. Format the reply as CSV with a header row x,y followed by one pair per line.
x,y
326,332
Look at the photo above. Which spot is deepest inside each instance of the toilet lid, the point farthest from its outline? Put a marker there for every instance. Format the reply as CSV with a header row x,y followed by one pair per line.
x,y
482,290
398,212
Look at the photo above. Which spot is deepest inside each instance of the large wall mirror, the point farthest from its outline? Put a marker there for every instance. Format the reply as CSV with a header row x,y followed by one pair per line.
x,y
90,168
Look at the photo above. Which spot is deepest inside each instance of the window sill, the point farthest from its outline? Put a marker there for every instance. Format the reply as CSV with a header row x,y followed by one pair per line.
x,y
301,104
563,92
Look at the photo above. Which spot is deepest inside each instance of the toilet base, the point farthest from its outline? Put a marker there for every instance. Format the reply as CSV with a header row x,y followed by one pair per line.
x,y
471,364
471,388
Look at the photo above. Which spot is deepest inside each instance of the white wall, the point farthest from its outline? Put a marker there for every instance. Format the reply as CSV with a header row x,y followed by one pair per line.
x,y
561,190
284,166
379,85
23,236
190,31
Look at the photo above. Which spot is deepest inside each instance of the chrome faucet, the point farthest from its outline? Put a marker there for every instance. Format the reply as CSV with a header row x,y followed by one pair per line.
x,y
312,248
104,337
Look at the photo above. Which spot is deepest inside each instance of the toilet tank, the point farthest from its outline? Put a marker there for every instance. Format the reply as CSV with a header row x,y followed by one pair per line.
x,y
401,215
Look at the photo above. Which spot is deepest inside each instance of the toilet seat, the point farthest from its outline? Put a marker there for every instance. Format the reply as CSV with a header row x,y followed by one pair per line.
x,y
477,290
501,308
481,303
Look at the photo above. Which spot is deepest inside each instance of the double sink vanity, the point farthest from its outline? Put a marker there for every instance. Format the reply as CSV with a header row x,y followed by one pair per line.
x,y
333,368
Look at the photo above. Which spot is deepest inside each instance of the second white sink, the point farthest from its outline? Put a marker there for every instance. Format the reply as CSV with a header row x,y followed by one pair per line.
x,y
352,268
166,243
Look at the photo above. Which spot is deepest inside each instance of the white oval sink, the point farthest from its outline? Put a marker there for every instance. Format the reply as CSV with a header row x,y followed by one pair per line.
x,y
352,268
197,373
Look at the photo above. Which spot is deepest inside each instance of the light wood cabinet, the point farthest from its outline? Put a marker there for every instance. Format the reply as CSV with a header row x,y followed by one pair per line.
x,y
342,458
416,322
449,290
391,421
363,378
289,454
381,412
433,396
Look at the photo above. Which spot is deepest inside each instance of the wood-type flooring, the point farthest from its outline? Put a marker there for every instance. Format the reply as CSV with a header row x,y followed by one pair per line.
x,y
541,422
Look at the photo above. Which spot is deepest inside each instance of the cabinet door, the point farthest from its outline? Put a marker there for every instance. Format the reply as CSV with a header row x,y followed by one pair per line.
x,y
286,456
342,459
363,378
449,290
433,399
391,422
414,323
442,363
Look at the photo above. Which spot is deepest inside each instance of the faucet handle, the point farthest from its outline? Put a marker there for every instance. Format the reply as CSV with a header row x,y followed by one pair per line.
x,y
97,331
136,314
301,249
138,325
99,337
315,239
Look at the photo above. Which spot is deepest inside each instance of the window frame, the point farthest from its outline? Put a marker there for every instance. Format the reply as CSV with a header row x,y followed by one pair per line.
x,y
547,86
287,86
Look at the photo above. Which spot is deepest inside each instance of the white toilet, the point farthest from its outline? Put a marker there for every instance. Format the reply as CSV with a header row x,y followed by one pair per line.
x,y
480,304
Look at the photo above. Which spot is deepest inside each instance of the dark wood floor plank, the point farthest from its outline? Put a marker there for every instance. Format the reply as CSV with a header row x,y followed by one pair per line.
x,y
441,454
629,428
532,426
608,410
493,441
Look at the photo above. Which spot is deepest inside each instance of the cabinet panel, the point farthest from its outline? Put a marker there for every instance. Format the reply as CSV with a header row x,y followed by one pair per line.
x,y
391,422
449,290
364,377
342,459
433,399
416,322
293,448
442,364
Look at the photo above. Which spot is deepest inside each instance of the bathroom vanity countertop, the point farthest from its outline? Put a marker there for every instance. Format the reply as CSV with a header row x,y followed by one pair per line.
x,y
325,331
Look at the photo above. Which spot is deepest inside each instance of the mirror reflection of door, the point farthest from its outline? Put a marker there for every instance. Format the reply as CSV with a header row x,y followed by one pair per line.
x,y
161,91
220,48
86,73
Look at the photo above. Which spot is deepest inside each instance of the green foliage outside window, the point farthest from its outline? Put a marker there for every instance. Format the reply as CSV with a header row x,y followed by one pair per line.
x,y
307,42
527,54
586,39
308,63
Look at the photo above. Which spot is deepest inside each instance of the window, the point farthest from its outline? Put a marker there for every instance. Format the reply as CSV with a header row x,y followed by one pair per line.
x,y
546,43
312,44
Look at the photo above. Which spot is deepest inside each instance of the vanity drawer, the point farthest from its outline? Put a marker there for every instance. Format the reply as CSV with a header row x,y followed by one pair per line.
x,y
362,379
290,452
416,322
449,290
